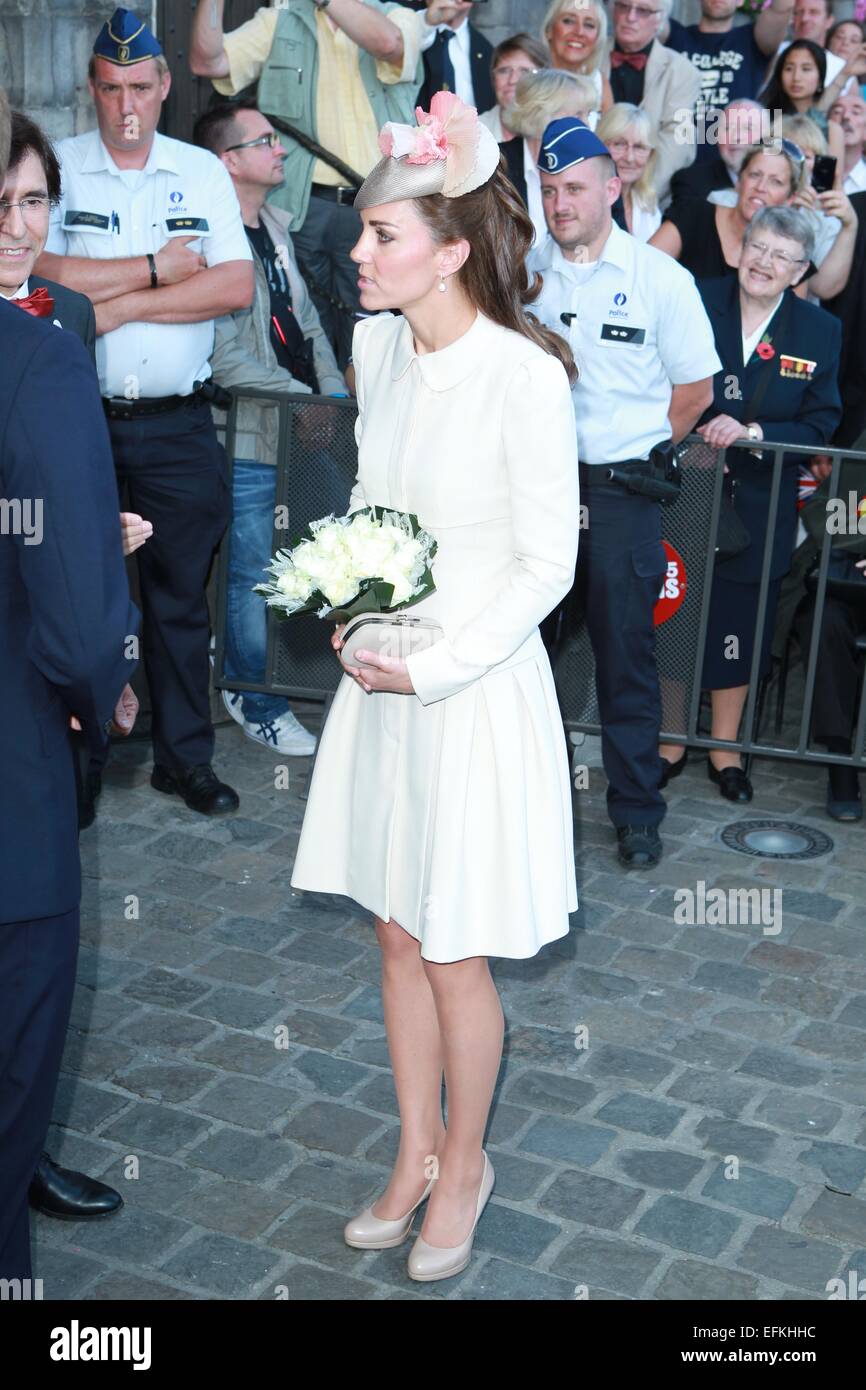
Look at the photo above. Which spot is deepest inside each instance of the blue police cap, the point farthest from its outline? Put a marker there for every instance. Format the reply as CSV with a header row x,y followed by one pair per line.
x,y
125,39
567,141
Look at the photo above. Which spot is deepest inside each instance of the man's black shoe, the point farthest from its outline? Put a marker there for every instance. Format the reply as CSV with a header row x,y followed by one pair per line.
x,y
639,847
199,786
68,1195
89,792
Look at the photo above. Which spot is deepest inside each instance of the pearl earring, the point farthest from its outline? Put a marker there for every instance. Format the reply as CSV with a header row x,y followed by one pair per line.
x,y
442,283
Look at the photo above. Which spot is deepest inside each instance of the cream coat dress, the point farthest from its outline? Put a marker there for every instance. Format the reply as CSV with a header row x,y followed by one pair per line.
x,y
449,810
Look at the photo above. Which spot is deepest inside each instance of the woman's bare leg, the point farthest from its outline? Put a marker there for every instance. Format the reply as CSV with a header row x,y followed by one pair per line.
x,y
471,1024
728,708
415,1046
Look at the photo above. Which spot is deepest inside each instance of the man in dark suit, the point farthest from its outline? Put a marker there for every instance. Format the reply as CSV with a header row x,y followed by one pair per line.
x,y
32,175
457,58
850,308
65,651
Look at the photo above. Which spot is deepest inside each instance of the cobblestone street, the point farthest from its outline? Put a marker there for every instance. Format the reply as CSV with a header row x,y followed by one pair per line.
x,y
240,1160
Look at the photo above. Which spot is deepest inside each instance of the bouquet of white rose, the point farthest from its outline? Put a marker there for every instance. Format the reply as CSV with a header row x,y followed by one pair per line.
x,y
372,561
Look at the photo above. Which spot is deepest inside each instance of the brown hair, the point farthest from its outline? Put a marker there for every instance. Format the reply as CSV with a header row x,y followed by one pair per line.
x,y
498,228
535,50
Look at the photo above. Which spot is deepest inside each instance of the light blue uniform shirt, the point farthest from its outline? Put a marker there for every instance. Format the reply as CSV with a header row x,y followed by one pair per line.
x,y
641,329
107,213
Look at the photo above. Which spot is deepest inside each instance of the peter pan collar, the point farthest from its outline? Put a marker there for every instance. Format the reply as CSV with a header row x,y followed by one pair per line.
x,y
450,365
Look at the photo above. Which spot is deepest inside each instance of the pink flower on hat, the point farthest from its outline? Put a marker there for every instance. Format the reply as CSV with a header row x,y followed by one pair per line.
x,y
448,131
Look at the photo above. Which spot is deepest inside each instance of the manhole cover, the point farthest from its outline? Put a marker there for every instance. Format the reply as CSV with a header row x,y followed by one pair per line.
x,y
776,839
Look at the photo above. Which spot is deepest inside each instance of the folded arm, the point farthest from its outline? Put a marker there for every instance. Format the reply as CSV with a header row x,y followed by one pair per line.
x,y
221,289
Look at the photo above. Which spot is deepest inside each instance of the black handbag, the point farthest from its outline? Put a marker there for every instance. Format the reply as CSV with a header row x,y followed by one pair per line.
x,y
732,536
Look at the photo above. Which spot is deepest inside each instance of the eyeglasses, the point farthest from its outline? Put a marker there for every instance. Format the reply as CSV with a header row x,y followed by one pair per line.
x,y
640,11
626,147
780,259
29,206
513,72
272,139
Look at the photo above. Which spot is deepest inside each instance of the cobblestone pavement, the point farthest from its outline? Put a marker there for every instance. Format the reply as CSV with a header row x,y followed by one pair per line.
x,y
712,1049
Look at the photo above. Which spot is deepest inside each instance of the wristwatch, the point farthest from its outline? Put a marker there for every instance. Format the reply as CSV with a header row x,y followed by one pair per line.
x,y
752,432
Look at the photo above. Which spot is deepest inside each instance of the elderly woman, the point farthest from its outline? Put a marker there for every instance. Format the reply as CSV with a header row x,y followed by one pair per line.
x,y
576,33
540,98
782,354
631,136
707,238
807,136
512,59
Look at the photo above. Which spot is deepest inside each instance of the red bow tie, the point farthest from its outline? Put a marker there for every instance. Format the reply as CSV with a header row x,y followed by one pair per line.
x,y
634,60
38,303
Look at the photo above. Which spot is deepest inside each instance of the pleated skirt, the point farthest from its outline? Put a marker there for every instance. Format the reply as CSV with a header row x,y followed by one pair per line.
x,y
453,819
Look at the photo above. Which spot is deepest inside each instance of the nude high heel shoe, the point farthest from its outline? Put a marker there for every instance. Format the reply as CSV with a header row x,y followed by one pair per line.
x,y
369,1232
428,1262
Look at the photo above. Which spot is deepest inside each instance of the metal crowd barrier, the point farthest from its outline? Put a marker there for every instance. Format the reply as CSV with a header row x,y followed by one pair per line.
x,y
315,472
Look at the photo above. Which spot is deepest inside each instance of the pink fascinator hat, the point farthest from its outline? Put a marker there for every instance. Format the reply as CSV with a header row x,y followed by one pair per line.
x,y
449,151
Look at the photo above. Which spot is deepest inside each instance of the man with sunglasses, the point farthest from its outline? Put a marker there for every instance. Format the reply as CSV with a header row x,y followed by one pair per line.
x,y
277,345
664,83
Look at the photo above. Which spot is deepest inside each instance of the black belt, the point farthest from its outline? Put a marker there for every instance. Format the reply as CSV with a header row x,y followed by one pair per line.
x,y
118,408
333,192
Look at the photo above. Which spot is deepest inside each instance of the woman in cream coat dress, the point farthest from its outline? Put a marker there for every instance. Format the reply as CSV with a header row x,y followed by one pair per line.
x,y
441,796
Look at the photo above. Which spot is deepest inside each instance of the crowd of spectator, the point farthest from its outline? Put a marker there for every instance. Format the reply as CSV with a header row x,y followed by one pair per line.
x,y
709,126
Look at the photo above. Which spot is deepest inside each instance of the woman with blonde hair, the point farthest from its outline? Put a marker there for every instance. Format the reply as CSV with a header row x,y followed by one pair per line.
x,y
631,136
540,97
575,31
805,135
708,238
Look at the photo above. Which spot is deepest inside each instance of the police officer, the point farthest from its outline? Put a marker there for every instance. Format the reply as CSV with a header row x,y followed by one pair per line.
x,y
645,350
149,229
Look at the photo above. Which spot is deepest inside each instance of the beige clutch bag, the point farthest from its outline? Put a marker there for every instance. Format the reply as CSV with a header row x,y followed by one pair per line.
x,y
389,634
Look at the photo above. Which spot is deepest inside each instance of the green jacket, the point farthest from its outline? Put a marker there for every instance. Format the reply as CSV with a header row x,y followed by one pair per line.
x,y
287,88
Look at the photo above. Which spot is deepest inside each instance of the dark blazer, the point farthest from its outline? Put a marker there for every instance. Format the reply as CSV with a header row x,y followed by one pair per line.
x,y
700,180
512,152
73,311
64,606
850,308
480,55
794,410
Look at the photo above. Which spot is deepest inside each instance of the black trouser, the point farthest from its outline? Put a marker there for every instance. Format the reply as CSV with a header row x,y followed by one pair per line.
x,y
620,568
176,473
837,673
37,977
322,243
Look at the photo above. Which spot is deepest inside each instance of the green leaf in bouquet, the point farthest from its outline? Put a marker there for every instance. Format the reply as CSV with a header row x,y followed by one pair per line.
x,y
374,598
